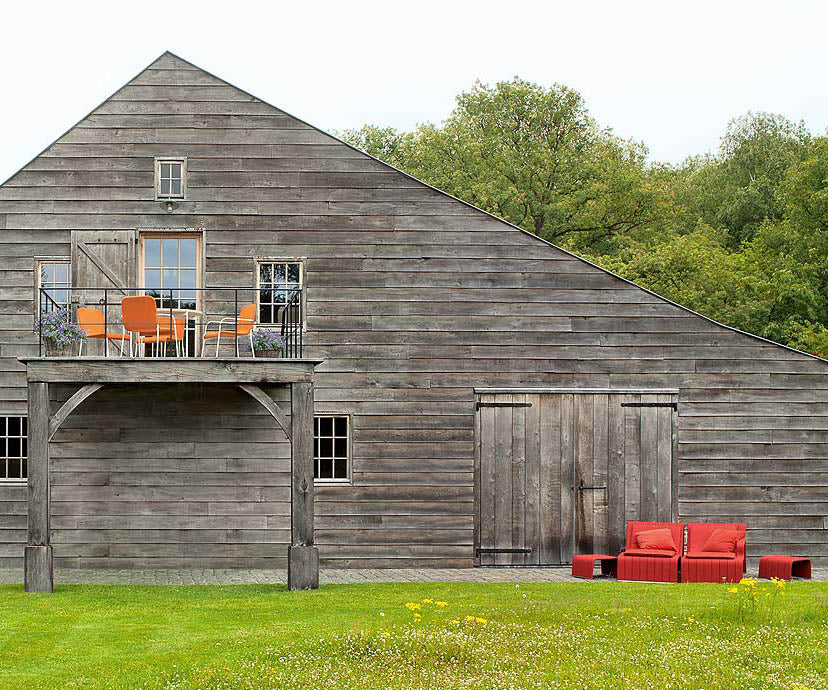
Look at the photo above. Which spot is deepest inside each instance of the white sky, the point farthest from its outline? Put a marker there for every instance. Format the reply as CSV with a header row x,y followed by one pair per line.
x,y
669,73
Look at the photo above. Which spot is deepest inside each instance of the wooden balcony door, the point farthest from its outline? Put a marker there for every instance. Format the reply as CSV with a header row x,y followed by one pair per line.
x,y
560,473
103,270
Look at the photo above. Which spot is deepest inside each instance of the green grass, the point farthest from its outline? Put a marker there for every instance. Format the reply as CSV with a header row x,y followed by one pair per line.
x,y
536,635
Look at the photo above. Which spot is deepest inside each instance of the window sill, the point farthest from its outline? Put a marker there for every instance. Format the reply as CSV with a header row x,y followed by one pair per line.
x,y
14,482
331,482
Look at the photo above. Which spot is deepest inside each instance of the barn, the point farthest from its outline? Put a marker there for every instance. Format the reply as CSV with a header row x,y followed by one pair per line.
x,y
464,393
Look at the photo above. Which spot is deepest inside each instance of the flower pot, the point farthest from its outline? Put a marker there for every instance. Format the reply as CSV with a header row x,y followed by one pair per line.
x,y
51,349
269,354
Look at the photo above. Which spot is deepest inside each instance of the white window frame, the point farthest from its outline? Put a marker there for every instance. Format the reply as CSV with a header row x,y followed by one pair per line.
x,y
38,283
279,260
349,446
175,234
4,457
175,160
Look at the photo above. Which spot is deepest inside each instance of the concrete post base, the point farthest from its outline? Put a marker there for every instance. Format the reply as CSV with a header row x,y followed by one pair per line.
x,y
37,566
303,567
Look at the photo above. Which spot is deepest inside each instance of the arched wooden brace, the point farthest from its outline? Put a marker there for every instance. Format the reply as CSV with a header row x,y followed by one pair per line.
x,y
266,401
70,405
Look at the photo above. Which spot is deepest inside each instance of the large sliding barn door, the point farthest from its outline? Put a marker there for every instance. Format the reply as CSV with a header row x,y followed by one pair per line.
x,y
560,473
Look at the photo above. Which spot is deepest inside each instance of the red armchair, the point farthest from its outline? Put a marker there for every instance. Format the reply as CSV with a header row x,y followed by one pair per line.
x,y
651,565
700,564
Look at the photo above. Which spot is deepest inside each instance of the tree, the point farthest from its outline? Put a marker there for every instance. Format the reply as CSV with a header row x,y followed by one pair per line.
x,y
737,189
533,156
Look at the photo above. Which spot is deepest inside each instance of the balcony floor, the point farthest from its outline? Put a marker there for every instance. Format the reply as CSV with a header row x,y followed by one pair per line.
x,y
84,370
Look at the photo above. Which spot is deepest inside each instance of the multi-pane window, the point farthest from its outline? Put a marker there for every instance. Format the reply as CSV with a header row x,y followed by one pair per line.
x,y
54,280
279,283
13,446
331,447
169,178
171,270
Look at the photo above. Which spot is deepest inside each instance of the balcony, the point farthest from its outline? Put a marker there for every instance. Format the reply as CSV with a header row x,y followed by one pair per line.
x,y
192,323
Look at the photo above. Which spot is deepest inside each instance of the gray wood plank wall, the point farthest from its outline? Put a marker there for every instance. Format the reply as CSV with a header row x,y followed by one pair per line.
x,y
413,300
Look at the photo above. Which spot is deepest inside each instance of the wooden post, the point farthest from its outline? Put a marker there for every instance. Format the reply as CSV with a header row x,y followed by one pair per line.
x,y
38,576
303,557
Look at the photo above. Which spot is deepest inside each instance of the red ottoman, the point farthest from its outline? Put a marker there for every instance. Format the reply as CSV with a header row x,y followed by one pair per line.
x,y
583,564
784,567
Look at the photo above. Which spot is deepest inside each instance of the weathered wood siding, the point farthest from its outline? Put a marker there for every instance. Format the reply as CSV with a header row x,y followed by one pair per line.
x,y
413,299
170,476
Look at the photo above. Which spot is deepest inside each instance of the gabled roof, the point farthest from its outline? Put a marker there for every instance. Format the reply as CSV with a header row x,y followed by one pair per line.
x,y
166,55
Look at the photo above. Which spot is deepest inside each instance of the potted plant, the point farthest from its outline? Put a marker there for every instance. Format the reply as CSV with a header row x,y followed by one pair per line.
x,y
268,343
58,334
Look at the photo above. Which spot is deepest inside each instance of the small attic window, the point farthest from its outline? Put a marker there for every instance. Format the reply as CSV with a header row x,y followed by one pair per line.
x,y
170,178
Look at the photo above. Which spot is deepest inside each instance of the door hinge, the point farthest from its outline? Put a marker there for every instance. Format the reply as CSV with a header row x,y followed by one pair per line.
x,y
502,404
674,405
591,488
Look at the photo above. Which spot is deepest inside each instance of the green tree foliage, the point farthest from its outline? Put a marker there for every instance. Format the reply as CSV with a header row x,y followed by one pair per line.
x,y
740,236
531,155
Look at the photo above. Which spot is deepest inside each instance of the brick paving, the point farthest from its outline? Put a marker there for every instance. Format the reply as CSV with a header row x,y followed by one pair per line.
x,y
327,576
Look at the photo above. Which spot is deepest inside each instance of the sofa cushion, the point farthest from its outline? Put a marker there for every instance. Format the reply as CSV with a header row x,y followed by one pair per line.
x,y
657,539
710,554
659,553
723,540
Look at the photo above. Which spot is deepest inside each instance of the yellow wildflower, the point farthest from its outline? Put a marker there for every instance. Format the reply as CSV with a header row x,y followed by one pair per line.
x,y
417,616
428,601
470,618
454,621
482,621
411,606
691,619
441,604
385,633
733,590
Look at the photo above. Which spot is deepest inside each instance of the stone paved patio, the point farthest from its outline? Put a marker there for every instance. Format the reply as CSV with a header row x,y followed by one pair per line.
x,y
327,576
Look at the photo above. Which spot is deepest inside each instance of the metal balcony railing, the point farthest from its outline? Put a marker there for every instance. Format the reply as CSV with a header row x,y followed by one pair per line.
x,y
188,322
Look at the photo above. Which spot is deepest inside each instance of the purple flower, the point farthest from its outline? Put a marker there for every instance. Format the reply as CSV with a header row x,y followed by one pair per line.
x,y
267,339
57,327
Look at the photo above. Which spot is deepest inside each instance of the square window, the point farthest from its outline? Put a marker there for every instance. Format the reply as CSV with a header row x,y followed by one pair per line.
x,y
13,448
331,447
170,178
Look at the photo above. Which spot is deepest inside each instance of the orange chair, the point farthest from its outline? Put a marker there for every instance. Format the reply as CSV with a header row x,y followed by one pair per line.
x,y
170,330
140,318
93,323
246,322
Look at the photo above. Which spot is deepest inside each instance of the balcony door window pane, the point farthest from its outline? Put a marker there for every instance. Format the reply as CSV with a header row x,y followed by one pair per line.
x,y
171,274
171,269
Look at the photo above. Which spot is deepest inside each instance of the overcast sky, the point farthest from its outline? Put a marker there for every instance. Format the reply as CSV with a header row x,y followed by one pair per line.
x,y
670,74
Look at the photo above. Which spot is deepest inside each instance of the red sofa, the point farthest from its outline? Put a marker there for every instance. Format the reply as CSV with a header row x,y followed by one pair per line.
x,y
651,565
698,565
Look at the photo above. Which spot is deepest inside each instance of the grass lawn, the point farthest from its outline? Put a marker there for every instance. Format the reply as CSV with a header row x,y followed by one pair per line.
x,y
364,636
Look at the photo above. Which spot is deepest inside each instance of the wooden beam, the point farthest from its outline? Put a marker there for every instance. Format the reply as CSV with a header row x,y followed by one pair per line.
x,y
38,553
168,370
267,402
303,557
69,406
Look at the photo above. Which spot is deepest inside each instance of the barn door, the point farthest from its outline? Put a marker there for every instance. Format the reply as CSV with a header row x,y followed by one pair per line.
x,y
561,473
623,466
103,270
